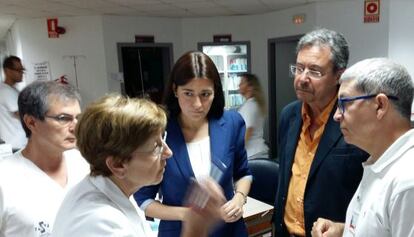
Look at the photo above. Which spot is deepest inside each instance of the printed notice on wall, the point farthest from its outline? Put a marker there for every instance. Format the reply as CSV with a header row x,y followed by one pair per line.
x,y
41,71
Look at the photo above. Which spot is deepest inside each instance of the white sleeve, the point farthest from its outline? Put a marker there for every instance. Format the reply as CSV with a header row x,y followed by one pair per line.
x,y
401,211
9,101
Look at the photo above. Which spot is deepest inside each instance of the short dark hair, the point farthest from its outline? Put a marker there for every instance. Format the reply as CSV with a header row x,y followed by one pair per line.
x,y
34,99
9,61
194,64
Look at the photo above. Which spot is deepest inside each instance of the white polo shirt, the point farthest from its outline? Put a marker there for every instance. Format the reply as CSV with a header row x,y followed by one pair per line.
x,y
383,203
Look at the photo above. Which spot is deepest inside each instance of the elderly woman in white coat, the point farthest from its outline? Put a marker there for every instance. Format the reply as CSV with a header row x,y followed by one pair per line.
x,y
123,140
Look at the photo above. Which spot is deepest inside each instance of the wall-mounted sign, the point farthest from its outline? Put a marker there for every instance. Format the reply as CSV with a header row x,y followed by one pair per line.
x,y
41,71
371,11
144,39
298,19
221,38
52,25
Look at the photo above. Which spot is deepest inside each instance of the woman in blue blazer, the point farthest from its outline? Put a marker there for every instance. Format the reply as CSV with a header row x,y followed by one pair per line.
x,y
206,141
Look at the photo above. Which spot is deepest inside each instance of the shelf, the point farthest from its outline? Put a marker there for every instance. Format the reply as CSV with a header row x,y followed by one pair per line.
x,y
244,55
234,92
236,71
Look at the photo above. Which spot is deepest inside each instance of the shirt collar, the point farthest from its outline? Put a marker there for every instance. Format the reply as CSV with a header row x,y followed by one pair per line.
x,y
394,152
323,117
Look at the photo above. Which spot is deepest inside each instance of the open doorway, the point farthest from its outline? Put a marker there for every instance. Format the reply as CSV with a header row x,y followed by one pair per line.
x,y
146,67
281,53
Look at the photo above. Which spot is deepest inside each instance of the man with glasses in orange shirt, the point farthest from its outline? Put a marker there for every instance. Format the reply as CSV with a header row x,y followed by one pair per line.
x,y
319,172
34,181
374,110
11,130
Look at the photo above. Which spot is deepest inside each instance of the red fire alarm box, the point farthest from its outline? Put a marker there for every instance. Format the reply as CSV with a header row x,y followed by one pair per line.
x,y
52,25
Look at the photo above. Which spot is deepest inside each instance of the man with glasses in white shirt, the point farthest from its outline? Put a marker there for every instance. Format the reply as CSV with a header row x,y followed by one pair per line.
x,y
315,161
11,130
34,181
374,110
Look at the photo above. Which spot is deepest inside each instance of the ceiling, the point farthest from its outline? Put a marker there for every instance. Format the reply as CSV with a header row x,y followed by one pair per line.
x,y
10,10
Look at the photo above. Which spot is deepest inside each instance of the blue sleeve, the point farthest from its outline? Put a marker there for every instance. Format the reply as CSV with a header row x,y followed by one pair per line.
x,y
146,193
240,168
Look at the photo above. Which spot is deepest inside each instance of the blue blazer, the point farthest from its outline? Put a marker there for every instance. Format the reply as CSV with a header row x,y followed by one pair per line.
x,y
334,175
227,147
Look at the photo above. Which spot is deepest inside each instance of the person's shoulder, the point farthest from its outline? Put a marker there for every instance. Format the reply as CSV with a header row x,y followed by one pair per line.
x,y
77,166
291,108
232,115
75,158
403,176
12,163
293,105
4,88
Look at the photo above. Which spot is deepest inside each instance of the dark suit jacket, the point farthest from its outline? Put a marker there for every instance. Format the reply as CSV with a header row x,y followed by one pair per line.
x,y
334,175
227,147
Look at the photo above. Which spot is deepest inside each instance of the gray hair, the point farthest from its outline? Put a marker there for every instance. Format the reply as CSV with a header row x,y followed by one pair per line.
x,y
328,38
35,98
381,75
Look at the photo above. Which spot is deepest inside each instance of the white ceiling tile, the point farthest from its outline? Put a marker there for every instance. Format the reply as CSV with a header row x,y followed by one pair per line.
x,y
148,7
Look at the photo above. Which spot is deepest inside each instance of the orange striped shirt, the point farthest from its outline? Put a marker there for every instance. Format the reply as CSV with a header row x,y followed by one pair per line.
x,y
305,152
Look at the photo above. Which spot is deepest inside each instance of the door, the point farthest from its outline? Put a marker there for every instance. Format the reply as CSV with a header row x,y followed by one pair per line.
x,y
146,67
281,53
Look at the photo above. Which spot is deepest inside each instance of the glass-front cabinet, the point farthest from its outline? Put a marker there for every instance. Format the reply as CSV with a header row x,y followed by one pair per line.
x,y
231,59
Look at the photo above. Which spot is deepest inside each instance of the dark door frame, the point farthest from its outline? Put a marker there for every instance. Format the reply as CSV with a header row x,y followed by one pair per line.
x,y
273,120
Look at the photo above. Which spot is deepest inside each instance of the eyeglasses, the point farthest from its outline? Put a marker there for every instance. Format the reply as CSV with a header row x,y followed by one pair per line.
x,y
63,119
313,74
21,70
159,148
343,100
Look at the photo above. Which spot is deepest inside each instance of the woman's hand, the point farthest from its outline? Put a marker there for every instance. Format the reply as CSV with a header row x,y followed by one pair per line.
x,y
232,210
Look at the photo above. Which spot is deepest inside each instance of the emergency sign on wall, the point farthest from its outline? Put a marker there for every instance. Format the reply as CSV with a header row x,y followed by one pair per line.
x,y
371,11
52,25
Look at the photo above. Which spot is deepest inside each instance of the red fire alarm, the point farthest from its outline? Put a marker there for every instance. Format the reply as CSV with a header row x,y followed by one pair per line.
x,y
371,11
53,29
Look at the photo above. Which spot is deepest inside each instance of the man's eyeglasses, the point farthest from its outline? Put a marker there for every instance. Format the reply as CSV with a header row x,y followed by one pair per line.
x,y
313,74
159,148
343,100
63,119
21,70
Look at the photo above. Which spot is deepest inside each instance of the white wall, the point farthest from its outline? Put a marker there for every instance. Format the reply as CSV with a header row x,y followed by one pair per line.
x,y
366,40
123,30
401,35
13,41
83,37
